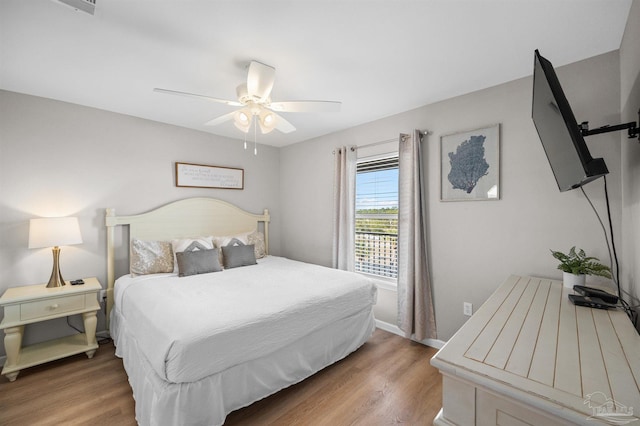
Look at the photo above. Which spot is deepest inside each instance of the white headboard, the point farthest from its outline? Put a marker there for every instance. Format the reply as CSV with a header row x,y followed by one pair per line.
x,y
190,217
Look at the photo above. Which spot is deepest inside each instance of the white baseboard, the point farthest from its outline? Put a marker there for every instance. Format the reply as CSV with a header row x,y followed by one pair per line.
x,y
434,343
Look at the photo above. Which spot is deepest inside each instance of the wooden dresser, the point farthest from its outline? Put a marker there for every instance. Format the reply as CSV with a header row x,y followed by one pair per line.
x,y
529,356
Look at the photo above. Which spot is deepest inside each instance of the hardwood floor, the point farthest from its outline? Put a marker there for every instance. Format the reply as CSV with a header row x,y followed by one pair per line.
x,y
387,381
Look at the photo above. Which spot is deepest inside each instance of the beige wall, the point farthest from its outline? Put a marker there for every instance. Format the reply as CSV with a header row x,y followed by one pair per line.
x,y
474,246
63,159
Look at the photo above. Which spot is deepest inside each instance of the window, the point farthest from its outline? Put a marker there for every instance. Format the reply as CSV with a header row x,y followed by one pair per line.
x,y
376,239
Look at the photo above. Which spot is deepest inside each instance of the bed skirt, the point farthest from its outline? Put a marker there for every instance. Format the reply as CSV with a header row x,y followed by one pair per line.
x,y
209,400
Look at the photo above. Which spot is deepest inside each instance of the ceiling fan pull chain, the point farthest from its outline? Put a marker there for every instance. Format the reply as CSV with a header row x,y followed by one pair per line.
x,y
255,137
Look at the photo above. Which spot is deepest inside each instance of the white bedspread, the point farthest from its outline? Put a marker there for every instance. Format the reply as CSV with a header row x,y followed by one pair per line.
x,y
193,327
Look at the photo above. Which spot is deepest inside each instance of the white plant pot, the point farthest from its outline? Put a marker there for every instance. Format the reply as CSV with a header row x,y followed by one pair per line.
x,y
569,279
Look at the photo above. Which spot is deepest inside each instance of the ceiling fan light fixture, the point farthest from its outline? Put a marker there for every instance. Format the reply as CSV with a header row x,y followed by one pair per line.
x,y
265,130
244,129
267,120
242,120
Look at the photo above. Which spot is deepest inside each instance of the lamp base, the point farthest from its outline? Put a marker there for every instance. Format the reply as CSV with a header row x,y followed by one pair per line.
x,y
56,279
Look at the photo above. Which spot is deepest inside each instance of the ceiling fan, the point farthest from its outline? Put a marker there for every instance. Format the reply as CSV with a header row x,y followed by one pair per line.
x,y
256,105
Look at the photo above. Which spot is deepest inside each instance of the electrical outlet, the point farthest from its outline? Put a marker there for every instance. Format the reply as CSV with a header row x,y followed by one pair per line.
x,y
467,309
103,294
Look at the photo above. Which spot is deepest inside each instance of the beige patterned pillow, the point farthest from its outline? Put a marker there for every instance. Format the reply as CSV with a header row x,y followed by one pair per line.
x,y
257,239
150,257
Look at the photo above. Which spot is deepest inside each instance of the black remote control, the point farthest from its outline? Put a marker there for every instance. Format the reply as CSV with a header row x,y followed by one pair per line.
x,y
590,302
77,282
594,292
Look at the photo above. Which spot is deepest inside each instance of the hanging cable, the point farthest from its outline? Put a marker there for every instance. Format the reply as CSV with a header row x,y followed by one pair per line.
x,y
615,277
74,327
613,244
632,313
606,236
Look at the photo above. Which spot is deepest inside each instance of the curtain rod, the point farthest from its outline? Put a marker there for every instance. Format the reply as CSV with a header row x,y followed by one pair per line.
x,y
372,144
367,145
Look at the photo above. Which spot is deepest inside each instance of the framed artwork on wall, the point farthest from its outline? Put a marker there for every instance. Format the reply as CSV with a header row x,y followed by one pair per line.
x,y
470,165
203,176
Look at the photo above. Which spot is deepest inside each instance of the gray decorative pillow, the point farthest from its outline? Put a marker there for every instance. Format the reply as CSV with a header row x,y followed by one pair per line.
x,y
232,240
179,245
198,262
257,239
150,257
239,255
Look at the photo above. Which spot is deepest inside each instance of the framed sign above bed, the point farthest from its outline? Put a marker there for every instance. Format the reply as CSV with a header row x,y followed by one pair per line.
x,y
203,176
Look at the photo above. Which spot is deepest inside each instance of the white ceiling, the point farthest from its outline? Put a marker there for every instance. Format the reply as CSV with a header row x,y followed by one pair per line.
x,y
379,57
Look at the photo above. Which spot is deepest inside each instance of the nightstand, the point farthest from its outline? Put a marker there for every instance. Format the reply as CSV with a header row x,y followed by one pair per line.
x,y
36,303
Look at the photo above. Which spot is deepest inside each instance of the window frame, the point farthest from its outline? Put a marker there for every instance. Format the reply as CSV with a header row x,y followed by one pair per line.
x,y
388,283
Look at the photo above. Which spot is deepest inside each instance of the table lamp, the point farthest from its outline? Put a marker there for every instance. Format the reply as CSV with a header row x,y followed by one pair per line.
x,y
54,232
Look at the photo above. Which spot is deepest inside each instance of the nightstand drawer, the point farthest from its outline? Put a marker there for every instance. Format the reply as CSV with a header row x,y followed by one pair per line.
x,y
50,307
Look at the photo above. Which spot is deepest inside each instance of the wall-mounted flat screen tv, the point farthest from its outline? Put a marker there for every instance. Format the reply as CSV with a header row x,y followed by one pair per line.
x,y
561,137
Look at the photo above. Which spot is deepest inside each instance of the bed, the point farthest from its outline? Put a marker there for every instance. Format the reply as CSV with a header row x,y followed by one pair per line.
x,y
197,347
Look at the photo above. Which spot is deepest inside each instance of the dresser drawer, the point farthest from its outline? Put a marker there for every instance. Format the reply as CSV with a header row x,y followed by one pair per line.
x,y
51,307
494,410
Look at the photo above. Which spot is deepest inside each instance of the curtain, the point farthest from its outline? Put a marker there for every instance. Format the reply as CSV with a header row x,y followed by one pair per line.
x,y
415,304
344,190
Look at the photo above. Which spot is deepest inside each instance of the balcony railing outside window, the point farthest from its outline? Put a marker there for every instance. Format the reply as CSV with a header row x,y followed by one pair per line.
x,y
377,244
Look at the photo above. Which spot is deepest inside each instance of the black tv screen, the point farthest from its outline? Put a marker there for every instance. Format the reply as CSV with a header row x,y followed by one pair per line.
x,y
558,130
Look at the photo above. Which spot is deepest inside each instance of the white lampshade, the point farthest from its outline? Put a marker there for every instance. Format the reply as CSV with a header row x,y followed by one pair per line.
x,y
54,231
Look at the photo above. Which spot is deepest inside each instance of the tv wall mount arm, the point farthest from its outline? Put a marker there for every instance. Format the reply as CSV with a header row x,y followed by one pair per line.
x,y
631,126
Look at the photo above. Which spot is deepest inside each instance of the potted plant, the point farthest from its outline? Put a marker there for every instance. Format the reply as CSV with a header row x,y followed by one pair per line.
x,y
577,265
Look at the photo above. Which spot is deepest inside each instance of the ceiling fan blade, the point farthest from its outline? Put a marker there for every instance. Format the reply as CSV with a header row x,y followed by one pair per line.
x,y
193,95
283,125
221,119
306,106
260,80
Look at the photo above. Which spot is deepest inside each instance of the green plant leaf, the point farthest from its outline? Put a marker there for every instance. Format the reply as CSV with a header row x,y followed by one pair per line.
x,y
579,263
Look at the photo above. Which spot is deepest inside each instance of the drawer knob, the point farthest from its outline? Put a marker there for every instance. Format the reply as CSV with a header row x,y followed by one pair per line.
x,y
54,306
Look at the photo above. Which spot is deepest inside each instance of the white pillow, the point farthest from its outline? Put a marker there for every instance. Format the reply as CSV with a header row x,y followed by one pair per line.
x,y
220,242
180,245
247,238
